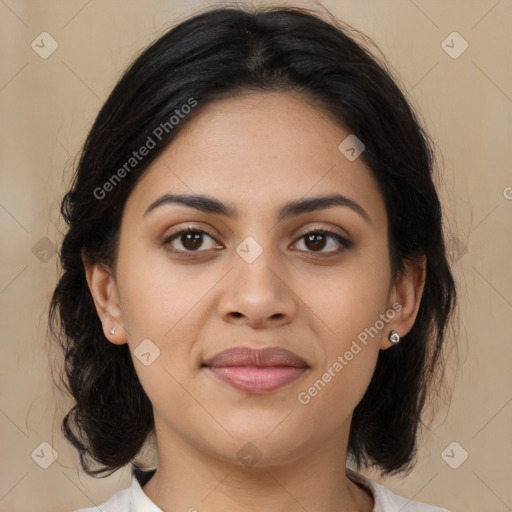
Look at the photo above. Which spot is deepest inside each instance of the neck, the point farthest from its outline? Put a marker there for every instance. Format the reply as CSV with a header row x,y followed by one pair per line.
x,y
192,479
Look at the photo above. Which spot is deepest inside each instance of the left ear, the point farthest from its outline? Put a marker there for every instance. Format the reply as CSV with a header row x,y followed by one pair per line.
x,y
405,298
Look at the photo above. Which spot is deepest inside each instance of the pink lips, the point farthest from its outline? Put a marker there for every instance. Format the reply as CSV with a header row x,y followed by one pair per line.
x,y
257,370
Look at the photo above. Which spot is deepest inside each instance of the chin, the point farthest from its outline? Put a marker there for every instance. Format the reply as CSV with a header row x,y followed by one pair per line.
x,y
258,446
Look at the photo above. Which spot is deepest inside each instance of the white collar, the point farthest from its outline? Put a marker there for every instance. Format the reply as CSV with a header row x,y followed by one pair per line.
x,y
384,499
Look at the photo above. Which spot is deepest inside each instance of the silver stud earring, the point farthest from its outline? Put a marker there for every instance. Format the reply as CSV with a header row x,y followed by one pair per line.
x,y
393,337
112,330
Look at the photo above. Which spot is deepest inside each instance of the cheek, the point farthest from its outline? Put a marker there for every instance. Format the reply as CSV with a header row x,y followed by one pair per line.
x,y
157,297
350,299
165,305
350,327
350,315
335,390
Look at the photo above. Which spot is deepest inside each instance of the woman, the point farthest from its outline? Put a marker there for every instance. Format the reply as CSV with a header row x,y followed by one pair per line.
x,y
254,272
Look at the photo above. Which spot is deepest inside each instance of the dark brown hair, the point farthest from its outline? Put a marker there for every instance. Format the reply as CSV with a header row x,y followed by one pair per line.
x,y
219,53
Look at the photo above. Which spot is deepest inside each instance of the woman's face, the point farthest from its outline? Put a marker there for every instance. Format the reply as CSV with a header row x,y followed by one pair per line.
x,y
252,277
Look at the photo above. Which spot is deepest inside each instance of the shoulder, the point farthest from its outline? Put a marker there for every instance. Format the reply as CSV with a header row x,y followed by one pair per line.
x,y
131,499
120,501
387,501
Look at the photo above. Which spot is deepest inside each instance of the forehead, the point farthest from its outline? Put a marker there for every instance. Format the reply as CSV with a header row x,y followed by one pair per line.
x,y
259,150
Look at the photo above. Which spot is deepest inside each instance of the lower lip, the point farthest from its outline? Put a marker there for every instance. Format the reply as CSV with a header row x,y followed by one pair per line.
x,y
257,379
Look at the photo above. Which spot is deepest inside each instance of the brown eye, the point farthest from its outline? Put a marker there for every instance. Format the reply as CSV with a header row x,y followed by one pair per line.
x,y
190,240
317,240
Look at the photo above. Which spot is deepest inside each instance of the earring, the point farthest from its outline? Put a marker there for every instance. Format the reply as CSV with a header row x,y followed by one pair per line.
x,y
112,330
393,337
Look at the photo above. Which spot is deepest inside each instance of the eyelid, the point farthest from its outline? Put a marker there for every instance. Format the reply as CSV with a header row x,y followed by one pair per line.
x,y
342,240
330,230
184,229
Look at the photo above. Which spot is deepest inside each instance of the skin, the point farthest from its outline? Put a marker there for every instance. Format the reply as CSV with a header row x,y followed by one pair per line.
x,y
256,151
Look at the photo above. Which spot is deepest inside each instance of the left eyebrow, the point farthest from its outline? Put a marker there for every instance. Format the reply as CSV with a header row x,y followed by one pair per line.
x,y
211,205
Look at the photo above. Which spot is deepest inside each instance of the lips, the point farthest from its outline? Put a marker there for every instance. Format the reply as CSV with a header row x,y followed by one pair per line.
x,y
245,356
257,370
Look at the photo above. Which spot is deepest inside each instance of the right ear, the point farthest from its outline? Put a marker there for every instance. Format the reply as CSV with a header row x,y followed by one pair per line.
x,y
104,292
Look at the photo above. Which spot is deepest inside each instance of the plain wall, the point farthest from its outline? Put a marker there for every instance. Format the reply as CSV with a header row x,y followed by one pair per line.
x,y
47,106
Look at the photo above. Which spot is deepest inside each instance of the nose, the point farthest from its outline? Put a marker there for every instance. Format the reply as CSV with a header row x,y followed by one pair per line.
x,y
257,294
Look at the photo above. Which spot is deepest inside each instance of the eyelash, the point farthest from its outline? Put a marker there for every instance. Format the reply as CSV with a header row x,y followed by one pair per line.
x,y
345,243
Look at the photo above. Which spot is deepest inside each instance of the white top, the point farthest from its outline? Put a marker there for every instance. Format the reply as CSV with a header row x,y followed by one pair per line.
x,y
133,499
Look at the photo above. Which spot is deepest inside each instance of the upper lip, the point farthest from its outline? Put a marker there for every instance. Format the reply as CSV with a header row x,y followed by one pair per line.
x,y
246,356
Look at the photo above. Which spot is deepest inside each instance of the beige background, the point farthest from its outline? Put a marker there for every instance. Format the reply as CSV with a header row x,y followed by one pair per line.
x,y
47,106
